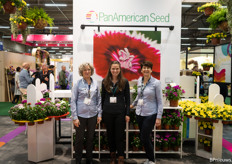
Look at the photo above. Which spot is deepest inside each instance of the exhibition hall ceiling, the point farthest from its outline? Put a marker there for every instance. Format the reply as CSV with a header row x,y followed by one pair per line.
x,y
193,33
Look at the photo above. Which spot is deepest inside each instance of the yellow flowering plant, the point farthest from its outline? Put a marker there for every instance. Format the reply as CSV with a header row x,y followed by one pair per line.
x,y
205,125
215,35
214,5
208,65
207,110
204,99
196,73
17,3
18,20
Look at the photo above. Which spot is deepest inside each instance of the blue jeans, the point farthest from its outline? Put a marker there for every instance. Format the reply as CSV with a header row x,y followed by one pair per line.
x,y
146,124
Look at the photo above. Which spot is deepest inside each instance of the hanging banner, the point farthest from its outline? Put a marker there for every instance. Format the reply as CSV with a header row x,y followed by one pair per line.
x,y
222,69
130,48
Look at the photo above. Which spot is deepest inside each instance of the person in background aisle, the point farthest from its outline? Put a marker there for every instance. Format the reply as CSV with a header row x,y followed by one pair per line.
x,y
149,108
51,69
17,92
25,79
210,79
37,75
205,82
86,111
44,75
62,78
116,107
70,78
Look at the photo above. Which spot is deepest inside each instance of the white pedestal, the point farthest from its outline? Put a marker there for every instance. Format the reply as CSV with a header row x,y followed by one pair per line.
x,y
41,141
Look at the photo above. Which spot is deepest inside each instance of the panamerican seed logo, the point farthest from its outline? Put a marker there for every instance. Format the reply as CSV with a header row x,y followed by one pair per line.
x,y
92,16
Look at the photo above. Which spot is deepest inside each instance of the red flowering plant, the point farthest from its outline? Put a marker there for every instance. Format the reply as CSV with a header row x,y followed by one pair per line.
x,y
173,92
128,48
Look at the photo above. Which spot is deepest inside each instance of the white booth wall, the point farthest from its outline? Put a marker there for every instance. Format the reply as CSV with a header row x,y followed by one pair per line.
x,y
170,40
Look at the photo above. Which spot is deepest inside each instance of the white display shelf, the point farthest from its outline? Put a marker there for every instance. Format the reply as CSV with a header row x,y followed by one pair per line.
x,y
216,141
205,135
128,131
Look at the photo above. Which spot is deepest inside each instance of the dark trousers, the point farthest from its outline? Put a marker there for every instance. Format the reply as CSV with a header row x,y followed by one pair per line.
x,y
115,127
16,99
89,124
146,124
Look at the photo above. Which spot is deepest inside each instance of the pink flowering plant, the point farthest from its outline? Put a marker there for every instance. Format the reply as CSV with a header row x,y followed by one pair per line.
x,y
173,92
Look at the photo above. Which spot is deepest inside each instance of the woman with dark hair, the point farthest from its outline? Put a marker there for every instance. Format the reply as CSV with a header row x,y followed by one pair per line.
x,y
149,108
17,92
115,106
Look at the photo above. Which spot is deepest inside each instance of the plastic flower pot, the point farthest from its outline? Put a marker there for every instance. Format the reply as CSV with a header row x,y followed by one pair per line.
x,y
175,148
208,11
165,148
188,116
173,103
8,8
41,24
206,68
215,41
224,26
215,121
135,148
207,148
23,26
225,122
157,148
40,122
208,131
166,127
49,119
31,123
197,118
175,127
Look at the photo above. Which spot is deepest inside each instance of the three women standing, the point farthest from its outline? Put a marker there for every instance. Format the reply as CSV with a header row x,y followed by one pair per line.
x,y
115,106
149,108
86,111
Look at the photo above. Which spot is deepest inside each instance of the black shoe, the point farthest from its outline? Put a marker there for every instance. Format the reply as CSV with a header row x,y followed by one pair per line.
x,y
89,161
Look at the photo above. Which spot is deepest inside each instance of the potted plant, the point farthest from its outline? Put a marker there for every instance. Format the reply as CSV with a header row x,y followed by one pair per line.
x,y
135,124
215,38
206,66
177,119
218,19
207,126
173,93
21,22
196,73
158,143
135,143
165,144
10,6
207,144
166,121
41,18
209,8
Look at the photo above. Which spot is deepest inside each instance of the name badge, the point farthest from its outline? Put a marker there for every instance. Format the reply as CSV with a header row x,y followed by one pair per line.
x,y
87,101
140,102
113,99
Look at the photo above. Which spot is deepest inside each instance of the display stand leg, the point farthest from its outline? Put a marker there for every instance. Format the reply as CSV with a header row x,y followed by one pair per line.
x,y
41,141
57,138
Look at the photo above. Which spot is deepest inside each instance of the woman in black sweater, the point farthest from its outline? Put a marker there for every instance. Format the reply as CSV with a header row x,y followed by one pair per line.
x,y
116,106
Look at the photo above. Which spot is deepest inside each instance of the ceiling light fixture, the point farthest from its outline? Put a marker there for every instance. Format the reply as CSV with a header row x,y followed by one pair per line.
x,y
201,38
67,48
186,5
4,26
185,38
185,44
204,29
200,44
6,36
55,5
54,48
51,27
184,28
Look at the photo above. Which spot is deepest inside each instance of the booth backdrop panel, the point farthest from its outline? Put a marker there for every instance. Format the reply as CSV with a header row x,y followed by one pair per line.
x,y
129,12
222,69
130,48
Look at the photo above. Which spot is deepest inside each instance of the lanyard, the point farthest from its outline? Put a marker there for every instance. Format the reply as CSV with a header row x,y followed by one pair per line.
x,y
143,88
114,89
89,91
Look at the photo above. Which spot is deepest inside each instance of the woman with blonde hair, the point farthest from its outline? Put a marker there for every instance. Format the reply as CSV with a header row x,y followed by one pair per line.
x,y
86,111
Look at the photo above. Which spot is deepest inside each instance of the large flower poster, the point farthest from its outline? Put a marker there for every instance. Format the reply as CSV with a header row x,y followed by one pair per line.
x,y
222,69
130,48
